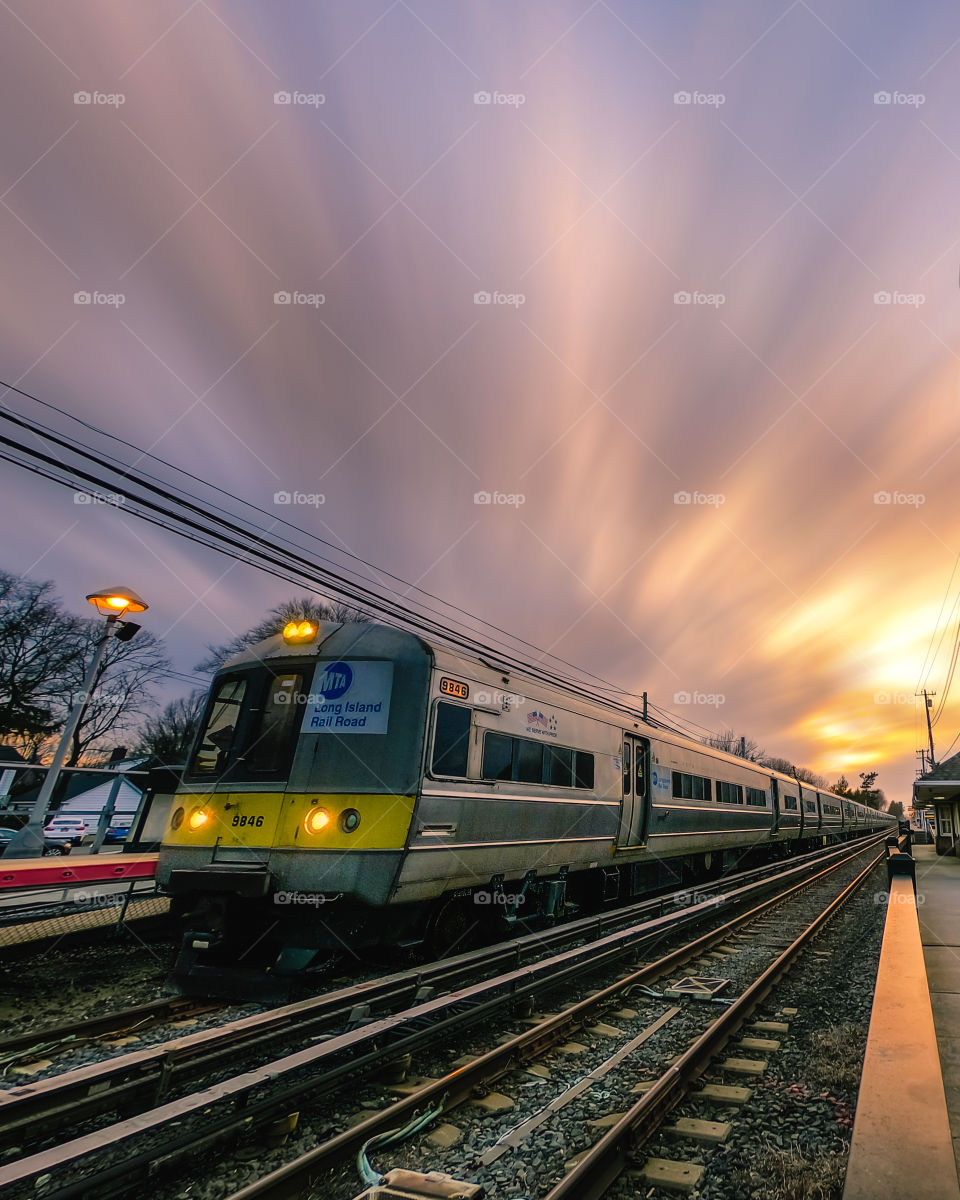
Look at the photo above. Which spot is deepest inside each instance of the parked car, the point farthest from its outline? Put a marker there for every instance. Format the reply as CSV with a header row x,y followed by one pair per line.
x,y
116,833
66,829
50,845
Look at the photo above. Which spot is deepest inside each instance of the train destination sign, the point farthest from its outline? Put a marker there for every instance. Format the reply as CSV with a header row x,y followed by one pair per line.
x,y
350,697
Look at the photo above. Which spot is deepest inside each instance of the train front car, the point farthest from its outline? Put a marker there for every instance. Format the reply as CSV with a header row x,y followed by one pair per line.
x,y
289,826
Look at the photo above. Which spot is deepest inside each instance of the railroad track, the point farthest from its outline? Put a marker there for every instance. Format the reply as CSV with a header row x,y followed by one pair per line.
x,y
105,1162
139,1017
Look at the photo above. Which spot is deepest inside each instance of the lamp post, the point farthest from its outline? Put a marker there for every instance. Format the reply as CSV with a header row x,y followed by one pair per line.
x,y
111,603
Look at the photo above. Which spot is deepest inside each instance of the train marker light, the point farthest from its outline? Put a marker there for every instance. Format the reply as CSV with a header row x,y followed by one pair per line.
x,y
177,819
295,632
316,819
198,818
349,820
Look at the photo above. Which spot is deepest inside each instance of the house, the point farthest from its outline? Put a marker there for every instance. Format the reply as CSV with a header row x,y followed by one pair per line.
x,y
87,792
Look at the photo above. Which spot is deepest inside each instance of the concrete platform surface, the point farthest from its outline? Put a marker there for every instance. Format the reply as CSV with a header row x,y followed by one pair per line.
x,y
938,912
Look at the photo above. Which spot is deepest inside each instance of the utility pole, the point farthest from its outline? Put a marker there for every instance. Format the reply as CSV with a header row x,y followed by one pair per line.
x,y
644,705
927,705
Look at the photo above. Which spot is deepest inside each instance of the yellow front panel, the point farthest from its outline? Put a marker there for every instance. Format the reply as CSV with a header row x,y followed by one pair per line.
x,y
233,821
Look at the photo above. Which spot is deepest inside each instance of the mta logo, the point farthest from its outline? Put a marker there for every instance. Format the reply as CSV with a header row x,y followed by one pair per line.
x,y
336,680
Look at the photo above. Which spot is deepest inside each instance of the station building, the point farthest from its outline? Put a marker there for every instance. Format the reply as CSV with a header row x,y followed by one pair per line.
x,y
939,791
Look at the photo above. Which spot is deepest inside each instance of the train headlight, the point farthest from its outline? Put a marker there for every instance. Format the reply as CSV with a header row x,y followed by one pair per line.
x,y
349,820
295,632
198,818
177,819
316,820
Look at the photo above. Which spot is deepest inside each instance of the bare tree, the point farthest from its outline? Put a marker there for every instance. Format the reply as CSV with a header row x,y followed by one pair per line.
x,y
122,690
168,736
38,641
302,608
732,743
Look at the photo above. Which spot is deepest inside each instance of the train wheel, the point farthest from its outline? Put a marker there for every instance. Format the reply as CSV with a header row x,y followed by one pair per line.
x,y
453,928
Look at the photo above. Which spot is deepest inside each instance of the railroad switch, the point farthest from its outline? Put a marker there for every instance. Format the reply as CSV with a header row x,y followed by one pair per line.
x,y
412,1185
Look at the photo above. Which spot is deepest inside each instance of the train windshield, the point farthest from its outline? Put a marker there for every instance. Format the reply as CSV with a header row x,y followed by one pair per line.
x,y
251,727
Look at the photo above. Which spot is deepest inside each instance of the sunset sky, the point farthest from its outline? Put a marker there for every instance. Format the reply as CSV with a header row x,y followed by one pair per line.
x,y
720,243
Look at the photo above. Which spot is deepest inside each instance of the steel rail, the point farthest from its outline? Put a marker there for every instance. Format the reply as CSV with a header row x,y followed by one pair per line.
x,y
606,1160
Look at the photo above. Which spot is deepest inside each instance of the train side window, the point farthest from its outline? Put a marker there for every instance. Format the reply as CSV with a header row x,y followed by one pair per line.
x,y
497,756
451,740
558,766
584,770
757,797
811,805
271,742
218,736
690,787
790,803
729,793
626,768
529,760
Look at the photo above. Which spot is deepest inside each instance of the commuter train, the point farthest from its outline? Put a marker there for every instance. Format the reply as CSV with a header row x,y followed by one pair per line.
x,y
353,785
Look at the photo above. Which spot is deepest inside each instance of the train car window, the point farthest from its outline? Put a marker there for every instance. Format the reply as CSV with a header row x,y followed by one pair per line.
x,y
790,803
218,736
558,766
729,793
626,768
583,777
690,787
811,806
757,797
270,745
451,740
529,759
497,756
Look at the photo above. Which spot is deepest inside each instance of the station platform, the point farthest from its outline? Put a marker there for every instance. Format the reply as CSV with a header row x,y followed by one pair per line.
x,y
938,912
906,1135
73,870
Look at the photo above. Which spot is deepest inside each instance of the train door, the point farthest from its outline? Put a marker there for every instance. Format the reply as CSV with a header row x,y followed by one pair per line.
x,y
636,791
775,796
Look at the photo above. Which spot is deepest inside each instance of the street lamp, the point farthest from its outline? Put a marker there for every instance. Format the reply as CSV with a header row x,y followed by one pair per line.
x,y
111,603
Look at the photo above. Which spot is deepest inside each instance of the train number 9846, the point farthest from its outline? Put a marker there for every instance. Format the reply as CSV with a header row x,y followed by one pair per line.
x,y
239,821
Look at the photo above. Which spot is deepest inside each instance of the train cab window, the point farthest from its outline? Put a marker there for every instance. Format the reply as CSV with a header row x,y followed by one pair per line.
x,y
757,797
220,731
451,740
626,768
270,745
729,793
497,756
558,766
529,761
583,775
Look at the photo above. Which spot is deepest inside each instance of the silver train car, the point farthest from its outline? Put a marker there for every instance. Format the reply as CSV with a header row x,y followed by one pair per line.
x,y
354,785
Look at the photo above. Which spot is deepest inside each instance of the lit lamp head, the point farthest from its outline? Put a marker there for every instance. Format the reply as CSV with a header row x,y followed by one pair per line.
x,y
115,602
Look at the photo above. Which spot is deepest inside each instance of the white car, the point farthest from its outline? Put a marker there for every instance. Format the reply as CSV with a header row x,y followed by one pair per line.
x,y
66,829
